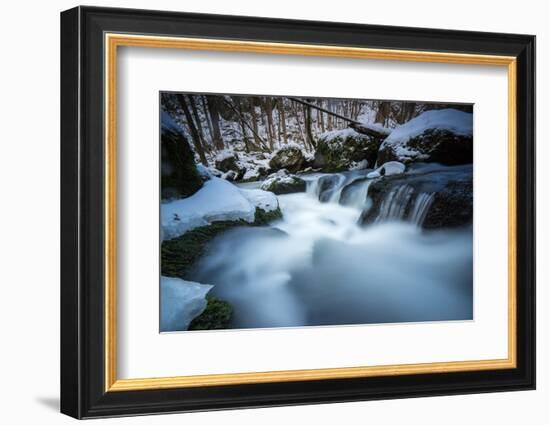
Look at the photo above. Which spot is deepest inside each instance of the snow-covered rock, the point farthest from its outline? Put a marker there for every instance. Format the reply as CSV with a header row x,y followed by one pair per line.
x,y
180,302
226,160
340,149
361,165
218,200
443,136
282,183
290,157
262,199
388,169
242,166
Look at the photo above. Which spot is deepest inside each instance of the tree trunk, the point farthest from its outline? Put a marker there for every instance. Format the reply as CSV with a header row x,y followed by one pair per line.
x,y
307,125
282,117
321,118
212,103
208,121
254,121
193,130
198,122
268,108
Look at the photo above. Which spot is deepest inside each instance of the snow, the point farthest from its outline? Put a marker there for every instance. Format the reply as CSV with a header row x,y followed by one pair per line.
x,y
225,154
361,165
217,200
339,136
279,179
204,172
181,301
458,122
262,199
377,127
390,168
168,123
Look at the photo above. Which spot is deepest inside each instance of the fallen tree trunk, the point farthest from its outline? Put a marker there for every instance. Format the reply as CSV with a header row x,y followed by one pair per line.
x,y
356,125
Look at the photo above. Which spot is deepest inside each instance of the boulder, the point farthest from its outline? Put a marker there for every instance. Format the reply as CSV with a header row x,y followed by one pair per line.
x,y
289,157
282,183
444,136
343,149
451,207
179,175
228,161
435,199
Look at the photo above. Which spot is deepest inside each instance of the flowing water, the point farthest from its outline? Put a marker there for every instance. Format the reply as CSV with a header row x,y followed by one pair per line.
x,y
317,266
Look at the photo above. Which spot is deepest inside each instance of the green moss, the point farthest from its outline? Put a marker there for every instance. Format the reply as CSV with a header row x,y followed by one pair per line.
x,y
217,315
339,152
179,255
262,217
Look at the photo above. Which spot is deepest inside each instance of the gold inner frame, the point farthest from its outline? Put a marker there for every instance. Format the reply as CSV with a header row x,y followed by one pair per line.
x,y
113,41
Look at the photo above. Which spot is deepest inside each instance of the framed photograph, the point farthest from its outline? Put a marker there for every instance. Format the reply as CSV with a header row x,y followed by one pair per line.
x,y
261,212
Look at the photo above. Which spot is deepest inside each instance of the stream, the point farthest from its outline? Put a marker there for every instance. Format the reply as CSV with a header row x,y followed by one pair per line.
x,y
318,266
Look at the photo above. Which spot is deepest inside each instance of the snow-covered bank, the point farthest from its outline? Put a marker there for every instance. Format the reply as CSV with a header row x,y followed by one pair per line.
x,y
181,302
217,200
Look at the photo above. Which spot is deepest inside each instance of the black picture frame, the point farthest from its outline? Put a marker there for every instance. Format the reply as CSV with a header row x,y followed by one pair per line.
x,y
83,392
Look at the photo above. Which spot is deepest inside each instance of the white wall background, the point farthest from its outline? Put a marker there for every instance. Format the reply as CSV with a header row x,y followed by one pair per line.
x,y
29,225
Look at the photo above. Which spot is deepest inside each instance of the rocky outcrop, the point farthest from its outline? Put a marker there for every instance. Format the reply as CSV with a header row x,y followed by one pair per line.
x,y
342,149
179,175
435,199
443,136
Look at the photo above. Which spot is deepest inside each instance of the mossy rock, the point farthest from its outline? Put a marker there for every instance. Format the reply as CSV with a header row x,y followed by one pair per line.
x,y
179,255
217,315
284,185
433,145
337,151
262,217
290,158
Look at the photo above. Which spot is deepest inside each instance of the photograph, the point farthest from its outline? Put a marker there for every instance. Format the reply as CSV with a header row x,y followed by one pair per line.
x,y
283,211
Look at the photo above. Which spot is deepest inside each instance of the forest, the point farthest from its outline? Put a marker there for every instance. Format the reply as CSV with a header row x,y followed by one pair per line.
x,y
217,124
304,211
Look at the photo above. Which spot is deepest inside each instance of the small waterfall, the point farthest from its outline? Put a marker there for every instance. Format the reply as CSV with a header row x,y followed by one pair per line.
x,y
394,205
312,187
402,203
337,191
421,206
356,194
326,188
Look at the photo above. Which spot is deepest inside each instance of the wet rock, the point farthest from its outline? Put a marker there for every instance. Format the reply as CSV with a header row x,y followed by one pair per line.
x,y
282,183
327,186
447,194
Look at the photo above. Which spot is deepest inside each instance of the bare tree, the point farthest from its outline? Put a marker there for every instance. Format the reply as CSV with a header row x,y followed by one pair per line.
x,y
213,105
192,129
198,122
282,118
307,124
